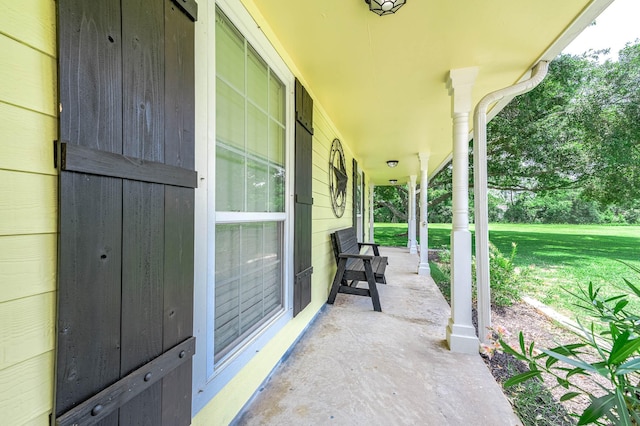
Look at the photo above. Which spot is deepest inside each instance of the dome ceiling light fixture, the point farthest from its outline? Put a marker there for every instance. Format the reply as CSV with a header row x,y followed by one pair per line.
x,y
385,7
392,163
393,181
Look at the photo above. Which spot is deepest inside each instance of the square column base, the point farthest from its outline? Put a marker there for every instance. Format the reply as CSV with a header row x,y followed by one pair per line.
x,y
462,339
424,269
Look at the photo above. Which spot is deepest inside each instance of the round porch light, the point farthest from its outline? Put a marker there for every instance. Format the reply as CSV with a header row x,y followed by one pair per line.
x,y
393,181
385,7
392,163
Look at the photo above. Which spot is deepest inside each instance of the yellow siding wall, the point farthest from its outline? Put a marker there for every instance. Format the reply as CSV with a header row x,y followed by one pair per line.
x,y
28,210
229,401
28,218
226,405
324,221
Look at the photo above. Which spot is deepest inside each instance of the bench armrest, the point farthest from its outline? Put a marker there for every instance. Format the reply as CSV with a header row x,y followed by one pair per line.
x,y
373,245
355,256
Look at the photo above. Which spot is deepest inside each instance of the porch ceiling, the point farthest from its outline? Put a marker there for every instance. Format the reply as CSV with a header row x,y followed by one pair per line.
x,y
382,79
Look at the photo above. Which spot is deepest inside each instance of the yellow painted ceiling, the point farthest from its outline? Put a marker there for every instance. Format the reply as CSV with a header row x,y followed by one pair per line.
x,y
382,79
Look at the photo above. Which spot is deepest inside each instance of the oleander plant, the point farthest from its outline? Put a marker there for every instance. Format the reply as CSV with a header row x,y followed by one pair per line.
x,y
609,347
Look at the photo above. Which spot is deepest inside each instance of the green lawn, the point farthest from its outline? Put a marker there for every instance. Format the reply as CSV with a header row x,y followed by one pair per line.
x,y
562,257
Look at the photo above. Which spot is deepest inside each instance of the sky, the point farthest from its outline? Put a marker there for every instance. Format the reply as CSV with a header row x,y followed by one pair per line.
x,y
616,26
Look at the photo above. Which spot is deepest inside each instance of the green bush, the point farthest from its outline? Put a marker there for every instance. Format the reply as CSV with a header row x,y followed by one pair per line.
x,y
503,275
504,278
441,273
617,358
563,206
519,212
632,216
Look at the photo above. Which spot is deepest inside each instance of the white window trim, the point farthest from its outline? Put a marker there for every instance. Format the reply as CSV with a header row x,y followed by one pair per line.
x,y
207,382
249,217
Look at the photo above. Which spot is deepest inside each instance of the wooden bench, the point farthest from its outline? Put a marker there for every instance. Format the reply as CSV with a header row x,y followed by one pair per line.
x,y
354,267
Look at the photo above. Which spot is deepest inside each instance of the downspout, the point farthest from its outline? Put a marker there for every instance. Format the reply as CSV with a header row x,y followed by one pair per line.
x,y
480,189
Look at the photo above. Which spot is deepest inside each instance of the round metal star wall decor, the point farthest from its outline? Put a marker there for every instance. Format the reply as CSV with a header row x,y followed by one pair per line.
x,y
338,178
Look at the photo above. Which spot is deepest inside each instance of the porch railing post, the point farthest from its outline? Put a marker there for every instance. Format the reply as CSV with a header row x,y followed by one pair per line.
x,y
461,335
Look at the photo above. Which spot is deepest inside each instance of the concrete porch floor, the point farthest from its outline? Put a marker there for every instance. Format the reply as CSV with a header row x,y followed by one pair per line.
x,y
355,366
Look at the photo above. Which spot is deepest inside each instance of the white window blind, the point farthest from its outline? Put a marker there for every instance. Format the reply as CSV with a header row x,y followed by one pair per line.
x,y
250,178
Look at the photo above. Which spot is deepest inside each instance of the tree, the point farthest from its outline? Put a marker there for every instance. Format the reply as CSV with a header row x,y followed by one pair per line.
x,y
440,207
390,204
535,143
578,130
612,112
532,143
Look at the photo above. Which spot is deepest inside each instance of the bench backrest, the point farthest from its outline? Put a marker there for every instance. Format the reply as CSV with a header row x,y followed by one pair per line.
x,y
345,241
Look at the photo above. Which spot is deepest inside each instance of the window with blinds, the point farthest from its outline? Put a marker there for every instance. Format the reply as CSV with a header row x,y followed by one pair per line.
x,y
250,190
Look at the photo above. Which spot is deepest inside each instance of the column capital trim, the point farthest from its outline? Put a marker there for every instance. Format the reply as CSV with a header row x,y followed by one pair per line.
x,y
424,160
462,77
460,86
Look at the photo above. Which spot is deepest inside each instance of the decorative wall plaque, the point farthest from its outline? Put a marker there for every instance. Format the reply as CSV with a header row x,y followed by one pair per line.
x,y
338,178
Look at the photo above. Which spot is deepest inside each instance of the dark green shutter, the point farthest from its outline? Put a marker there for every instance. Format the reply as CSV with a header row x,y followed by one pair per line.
x,y
365,231
354,199
126,206
303,199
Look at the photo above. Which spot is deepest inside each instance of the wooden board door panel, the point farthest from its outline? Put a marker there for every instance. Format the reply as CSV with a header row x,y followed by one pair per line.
x,y
303,199
125,275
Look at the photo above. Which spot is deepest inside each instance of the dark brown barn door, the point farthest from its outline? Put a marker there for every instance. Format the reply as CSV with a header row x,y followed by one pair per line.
x,y
125,262
303,200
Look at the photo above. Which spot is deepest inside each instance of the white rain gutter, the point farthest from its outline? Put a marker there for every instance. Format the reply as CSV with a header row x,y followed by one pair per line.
x,y
480,189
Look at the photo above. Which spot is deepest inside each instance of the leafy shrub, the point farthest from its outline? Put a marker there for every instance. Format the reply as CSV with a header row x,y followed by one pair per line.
x,y
504,278
617,352
503,275
519,213
563,206
632,216
441,273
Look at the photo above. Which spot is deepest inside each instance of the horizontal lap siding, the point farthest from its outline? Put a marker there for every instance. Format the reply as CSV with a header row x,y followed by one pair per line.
x,y
28,147
32,75
29,260
28,203
32,22
28,210
324,220
26,390
25,328
222,409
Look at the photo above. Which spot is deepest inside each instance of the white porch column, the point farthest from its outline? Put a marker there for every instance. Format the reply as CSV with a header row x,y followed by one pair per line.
x,y
423,268
461,334
371,192
409,206
413,244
